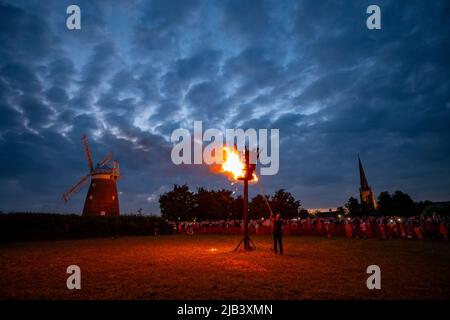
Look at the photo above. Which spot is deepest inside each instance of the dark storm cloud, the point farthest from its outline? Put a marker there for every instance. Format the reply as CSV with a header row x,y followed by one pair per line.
x,y
137,71
199,65
23,34
167,109
61,71
94,72
37,113
169,12
10,118
255,69
57,95
161,24
21,77
98,65
247,18
204,97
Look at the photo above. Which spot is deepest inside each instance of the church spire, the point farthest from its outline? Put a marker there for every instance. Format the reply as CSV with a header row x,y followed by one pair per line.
x,y
365,191
362,176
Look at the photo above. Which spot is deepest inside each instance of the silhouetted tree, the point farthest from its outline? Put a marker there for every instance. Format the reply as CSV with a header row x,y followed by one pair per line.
x,y
203,204
258,208
404,205
178,203
223,204
385,203
303,213
399,204
340,211
353,206
284,203
237,207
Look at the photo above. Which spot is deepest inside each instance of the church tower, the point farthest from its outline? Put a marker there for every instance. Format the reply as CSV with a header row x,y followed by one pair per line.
x,y
365,191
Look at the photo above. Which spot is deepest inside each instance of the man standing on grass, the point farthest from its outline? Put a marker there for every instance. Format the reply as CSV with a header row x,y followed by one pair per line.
x,y
277,229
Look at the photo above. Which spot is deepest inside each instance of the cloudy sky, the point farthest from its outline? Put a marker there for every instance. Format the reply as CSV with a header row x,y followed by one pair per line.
x,y
137,70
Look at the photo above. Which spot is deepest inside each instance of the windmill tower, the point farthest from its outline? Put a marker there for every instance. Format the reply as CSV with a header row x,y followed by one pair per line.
x,y
102,198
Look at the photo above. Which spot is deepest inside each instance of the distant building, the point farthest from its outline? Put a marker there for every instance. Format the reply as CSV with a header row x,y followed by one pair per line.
x,y
321,212
318,210
365,191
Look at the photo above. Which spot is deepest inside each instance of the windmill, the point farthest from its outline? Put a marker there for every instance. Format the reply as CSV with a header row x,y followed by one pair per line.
x,y
102,198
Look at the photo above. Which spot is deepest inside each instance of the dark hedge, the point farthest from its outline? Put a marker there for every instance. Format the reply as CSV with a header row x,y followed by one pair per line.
x,y
45,226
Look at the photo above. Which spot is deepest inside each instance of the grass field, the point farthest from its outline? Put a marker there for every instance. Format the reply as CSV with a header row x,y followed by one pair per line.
x,y
185,267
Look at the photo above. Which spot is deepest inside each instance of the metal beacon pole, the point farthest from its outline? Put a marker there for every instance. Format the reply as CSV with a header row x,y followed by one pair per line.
x,y
249,170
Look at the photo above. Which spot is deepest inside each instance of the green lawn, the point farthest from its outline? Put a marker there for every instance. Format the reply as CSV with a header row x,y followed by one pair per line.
x,y
185,267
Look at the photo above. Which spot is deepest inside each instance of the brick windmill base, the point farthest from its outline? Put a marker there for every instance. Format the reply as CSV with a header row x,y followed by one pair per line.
x,y
102,198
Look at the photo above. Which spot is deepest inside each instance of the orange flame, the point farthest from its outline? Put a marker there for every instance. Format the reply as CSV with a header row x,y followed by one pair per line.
x,y
233,164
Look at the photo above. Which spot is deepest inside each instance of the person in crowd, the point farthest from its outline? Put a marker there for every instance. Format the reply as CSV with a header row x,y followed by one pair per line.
x,y
382,226
330,227
403,229
370,228
363,229
348,228
409,229
417,229
319,227
392,228
356,228
443,231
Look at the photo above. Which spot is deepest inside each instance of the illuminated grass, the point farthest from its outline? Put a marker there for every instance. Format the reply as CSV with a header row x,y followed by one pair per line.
x,y
204,267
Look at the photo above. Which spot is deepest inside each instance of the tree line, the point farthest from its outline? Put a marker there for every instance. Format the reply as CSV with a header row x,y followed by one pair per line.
x,y
180,203
396,204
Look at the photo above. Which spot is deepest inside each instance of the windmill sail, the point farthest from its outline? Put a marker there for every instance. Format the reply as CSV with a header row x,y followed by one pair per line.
x,y
75,187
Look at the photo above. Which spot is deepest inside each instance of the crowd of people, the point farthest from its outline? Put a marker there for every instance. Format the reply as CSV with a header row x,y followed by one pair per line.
x,y
433,227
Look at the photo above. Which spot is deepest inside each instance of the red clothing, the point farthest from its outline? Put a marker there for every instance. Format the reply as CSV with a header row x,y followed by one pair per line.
x,y
443,231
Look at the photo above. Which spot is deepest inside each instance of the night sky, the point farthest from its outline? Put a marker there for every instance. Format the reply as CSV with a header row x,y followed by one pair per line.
x,y
137,70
